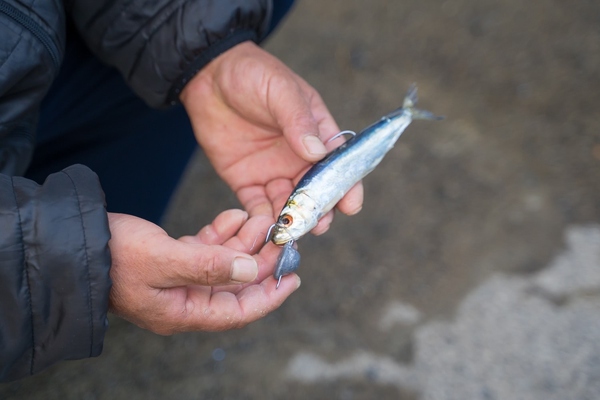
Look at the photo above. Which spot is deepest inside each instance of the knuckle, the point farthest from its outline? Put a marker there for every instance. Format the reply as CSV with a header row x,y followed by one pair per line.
x,y
229,323
210,269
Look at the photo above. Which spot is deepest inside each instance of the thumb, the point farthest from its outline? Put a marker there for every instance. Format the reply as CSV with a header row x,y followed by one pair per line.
x,y
207,265
293,113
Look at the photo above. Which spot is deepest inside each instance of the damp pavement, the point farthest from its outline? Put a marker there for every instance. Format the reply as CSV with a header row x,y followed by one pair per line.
x,y
473,270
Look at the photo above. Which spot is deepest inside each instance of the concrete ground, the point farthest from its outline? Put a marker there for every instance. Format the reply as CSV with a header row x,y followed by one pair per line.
x,y
473,270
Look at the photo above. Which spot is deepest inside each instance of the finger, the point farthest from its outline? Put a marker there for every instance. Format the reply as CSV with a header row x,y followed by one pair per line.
x,y
324,224
255,200
290,106
327,125
225,310
278,191
180,264
223,227
251,237
352,202
266,260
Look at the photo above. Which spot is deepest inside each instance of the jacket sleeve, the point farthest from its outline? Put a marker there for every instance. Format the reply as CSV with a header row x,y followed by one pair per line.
x,y
54,271
159,46
32,42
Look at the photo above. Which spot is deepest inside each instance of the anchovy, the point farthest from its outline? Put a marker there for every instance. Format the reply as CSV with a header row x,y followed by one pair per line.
x,y
329,180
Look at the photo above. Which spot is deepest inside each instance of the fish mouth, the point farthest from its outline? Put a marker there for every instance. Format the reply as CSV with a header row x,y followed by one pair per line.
x,y
280,235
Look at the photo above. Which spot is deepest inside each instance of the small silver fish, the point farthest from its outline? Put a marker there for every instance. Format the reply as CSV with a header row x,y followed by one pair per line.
x,y
329,180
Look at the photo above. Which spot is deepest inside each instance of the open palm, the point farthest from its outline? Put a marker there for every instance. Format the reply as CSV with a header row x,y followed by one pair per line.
x,y
261,126
169,286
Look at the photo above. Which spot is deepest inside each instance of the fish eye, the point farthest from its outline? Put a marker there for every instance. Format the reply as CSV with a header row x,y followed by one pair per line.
x,y
286,220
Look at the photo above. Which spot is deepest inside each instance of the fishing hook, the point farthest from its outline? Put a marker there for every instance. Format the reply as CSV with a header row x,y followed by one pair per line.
x,y
269,233
352,133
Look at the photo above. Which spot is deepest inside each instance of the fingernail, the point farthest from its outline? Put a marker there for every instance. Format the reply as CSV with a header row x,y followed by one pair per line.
x,y
244,269
322,231
243,215
355,211
314,146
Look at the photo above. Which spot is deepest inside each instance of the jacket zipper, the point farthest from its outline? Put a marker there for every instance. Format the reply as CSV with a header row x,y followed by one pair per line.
x,y
28,23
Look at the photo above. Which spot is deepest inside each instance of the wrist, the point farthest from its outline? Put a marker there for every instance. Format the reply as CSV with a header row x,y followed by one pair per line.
x,y
205,59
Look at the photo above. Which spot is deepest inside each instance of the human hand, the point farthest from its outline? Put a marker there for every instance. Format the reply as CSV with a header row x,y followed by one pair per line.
x,y
261,126
195,283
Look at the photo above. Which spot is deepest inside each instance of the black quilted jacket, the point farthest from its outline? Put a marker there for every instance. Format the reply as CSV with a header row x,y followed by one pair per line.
x,y
54,257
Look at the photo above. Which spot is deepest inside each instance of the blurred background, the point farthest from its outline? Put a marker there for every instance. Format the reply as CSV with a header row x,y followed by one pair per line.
x,y
473,270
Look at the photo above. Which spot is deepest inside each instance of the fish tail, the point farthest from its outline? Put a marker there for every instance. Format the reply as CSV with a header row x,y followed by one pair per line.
x,y
409,106
411,99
